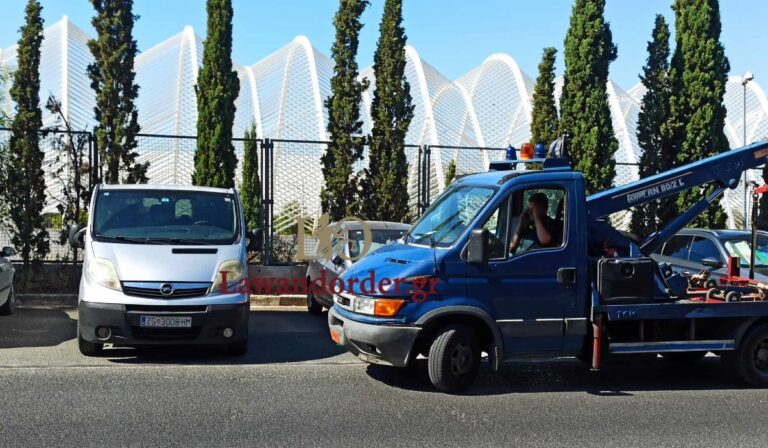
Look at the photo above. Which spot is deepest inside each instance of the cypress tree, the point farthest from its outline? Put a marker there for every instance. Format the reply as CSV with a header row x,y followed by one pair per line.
x,y
339,195
385,185
584,111
217,88
112,78
698,75
26,180
544,121
653,114
250,187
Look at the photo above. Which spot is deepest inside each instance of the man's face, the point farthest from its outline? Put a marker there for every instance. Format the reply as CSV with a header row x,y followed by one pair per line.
x,y
536,209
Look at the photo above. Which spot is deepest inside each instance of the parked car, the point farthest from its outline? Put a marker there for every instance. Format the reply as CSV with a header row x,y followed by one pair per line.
x,y
7,272
163,265
693,250
324,268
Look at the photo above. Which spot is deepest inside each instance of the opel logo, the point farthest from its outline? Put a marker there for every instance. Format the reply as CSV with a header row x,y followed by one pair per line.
x,y
166,289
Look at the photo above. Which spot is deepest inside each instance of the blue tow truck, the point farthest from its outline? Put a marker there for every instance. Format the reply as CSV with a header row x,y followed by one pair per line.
x,y
521,263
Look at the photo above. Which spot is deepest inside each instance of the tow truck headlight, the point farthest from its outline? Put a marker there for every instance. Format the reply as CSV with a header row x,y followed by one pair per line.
x,y
232,270
103,272
377,307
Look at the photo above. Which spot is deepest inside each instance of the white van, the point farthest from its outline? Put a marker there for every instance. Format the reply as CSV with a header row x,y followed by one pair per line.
x,y
155,259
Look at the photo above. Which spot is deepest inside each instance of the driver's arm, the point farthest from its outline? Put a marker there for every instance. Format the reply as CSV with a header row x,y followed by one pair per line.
x,y
542,233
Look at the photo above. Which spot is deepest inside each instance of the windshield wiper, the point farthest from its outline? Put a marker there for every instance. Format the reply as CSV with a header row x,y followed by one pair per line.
x,y
127,239
179,241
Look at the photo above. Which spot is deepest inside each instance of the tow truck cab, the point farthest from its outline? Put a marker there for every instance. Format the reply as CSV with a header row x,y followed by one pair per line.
x,y
586,289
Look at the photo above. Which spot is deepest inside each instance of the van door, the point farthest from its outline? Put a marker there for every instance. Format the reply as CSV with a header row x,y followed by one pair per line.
x,y
530,286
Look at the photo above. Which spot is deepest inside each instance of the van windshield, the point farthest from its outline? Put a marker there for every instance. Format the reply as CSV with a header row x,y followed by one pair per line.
x,y
165,217
450,215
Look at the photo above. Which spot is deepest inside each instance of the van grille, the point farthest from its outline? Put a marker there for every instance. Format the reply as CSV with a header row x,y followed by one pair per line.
x,y
158,290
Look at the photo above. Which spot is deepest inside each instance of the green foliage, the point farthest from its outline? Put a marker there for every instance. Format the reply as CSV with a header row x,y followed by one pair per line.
x,y
385,184
450,172
250,187
217,89
25,187
544,121
653,114
584,111
112,78
339,197
4,116
698,75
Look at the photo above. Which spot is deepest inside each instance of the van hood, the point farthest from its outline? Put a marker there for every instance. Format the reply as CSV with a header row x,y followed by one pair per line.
x,y
395,260
152,262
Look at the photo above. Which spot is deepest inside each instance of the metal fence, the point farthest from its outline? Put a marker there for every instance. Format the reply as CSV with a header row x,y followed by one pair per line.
x,y
291,175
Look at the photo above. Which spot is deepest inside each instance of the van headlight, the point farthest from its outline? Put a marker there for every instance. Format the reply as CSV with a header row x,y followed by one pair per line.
x,y
103,272
233,271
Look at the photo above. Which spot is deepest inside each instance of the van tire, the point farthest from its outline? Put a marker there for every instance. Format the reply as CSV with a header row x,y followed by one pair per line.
x,y
238,348
7,308
88,348
313,306
454,359
751,359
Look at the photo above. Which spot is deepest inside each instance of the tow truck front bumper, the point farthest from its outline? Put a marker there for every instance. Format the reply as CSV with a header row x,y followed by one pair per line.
x,y
374,343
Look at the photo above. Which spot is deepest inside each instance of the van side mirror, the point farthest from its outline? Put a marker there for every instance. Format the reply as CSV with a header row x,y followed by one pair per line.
x,y
477,247
712,263
76,234
8,251
255,240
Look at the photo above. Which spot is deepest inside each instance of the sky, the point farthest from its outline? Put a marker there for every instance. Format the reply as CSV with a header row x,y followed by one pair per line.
x,y
454,36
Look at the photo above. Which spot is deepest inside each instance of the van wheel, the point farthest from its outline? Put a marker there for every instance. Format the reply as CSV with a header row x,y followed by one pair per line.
x,y
238,348
454,359
313,307
751,359
9,304
88,348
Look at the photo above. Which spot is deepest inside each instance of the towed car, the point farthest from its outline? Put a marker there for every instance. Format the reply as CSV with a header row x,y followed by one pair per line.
x,y
7,272
348,245
161,266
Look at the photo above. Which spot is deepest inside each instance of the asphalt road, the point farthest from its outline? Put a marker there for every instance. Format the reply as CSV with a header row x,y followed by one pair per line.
x,y
295,388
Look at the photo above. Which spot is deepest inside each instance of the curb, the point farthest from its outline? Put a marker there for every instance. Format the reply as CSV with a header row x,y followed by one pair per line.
x,y
44,300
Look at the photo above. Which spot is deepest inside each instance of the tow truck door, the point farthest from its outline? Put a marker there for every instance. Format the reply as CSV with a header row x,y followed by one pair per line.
x,y
531,291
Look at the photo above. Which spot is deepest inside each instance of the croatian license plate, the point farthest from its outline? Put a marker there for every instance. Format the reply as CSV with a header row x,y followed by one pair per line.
x,y
165,321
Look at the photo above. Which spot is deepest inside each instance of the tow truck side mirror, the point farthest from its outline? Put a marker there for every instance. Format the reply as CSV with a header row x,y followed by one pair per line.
x,y
76,234
477,247
255,240
712,263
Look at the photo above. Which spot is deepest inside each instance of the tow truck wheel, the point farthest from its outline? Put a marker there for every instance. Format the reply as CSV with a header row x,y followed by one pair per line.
x,y
733,296
88,348
751,359
313,307
454,359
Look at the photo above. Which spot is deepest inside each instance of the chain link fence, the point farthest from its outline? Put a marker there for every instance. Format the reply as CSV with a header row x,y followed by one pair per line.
x,y
291,177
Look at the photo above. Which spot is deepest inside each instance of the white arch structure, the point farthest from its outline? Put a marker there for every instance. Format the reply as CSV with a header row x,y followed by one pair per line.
x,y
283,95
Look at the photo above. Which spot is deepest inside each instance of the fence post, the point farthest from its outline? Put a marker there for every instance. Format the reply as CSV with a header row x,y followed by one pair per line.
x,y
267,184
423,179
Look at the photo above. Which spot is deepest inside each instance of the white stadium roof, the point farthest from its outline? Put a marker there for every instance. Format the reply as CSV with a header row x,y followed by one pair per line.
x,y
283,94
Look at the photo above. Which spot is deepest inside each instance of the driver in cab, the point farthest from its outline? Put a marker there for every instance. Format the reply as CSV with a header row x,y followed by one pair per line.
x,y
535,229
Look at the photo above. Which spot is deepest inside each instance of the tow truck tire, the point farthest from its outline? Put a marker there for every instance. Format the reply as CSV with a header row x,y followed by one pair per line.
x,y
733,296
454,359
751,358
88,348
313,307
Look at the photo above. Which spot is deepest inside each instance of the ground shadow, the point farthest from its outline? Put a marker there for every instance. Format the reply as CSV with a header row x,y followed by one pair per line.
x,y
36,328
274,337
570,375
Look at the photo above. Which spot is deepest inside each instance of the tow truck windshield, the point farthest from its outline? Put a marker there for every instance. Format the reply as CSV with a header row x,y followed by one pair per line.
x,y
450,215
165,217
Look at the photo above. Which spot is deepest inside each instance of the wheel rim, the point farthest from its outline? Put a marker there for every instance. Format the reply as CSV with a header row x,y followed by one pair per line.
x,y
760,357
461,359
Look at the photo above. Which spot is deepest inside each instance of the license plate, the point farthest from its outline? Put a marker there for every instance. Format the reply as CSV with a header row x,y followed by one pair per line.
x,y
165,321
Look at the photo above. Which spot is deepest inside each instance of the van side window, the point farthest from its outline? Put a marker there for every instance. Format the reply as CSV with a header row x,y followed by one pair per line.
x,y
538,219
